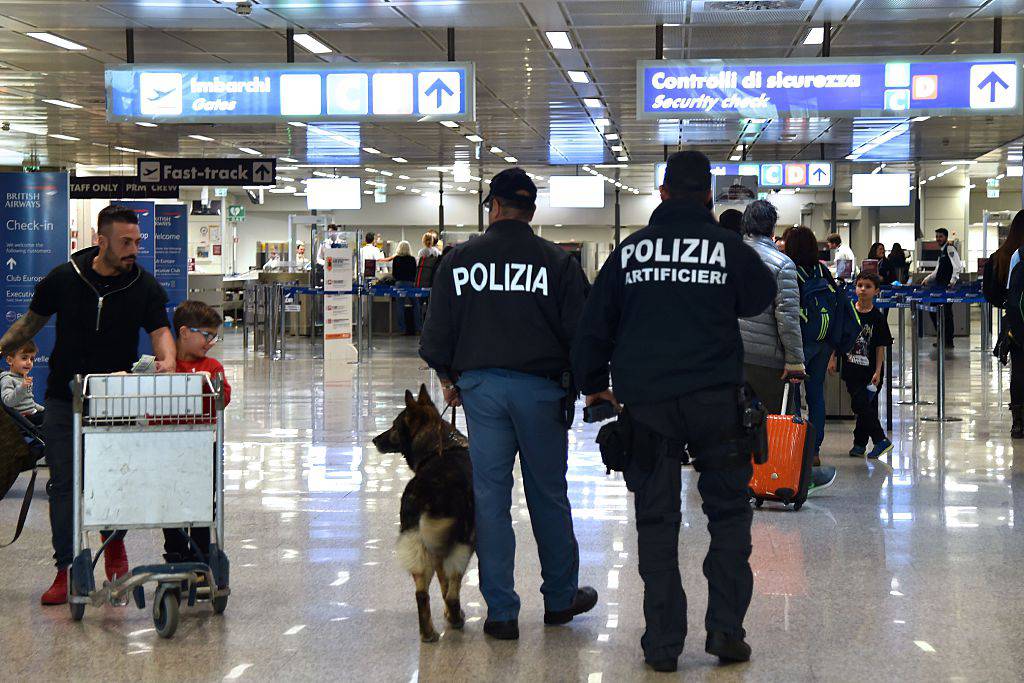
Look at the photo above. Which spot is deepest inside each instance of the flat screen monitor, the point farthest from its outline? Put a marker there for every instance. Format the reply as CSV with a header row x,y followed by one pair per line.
x,y
576,192
328,194
881,189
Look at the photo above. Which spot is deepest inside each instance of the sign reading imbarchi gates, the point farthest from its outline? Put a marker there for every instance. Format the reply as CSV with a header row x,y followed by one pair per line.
x,y
842,86
220,93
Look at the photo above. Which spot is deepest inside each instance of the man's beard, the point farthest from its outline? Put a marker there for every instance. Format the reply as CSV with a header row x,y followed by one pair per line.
x,y
121,266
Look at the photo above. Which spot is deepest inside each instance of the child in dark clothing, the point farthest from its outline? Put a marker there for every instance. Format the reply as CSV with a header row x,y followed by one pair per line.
x,y
863,370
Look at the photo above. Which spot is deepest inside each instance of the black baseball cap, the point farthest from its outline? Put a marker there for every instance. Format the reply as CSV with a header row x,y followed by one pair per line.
x,y
515,186
688,171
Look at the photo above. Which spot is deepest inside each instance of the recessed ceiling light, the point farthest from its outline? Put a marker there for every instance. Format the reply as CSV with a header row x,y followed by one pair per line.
x,y
400,187
62,103
919,119
201,138
670,25
367,191
496,150
578,76
611,136
284,179
622,158
56,40
736,157
602,123
371,150
449,124
474,138
616,148
593,103
400,160
61,136
559,40
289,160
387,173
127,149
297,124
815,36
511,160
145,124
249,150
312,44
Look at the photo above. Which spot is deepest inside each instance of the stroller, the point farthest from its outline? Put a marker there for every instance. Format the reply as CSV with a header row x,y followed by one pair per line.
x,y
21,449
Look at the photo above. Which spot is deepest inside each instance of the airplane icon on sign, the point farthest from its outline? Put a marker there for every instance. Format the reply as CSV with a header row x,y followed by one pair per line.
x,y
160,94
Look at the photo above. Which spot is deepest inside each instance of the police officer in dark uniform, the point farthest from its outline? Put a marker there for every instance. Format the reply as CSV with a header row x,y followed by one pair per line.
x,y
503,310
663,315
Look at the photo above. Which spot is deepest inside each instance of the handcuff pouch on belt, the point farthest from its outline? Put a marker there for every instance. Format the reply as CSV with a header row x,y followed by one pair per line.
x,y
615,439
753,423
567,406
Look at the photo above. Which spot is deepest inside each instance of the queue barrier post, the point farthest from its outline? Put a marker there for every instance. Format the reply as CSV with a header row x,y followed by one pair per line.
x,y
940,389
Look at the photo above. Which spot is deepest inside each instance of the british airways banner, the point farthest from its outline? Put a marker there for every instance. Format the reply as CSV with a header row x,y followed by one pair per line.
x,y
172,253
844,86
34,215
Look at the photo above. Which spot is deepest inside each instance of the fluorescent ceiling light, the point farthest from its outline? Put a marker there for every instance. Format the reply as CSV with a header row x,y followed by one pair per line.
x,y
289,160
312,44
60,136
611,136
815,36
128,149
1014,171
283,190
559,40
622,158
602,123
496,150
919,119
616,148
578,76
371,150
249,150
400,160
56,40
449,124
958,163
29,129
62,103
285,179
145,124
474,138
387,173
511,160
400,187
404,177
593,103
201,138
297,124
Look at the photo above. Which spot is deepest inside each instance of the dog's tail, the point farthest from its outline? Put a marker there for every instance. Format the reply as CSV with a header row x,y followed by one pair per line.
x,y
435,532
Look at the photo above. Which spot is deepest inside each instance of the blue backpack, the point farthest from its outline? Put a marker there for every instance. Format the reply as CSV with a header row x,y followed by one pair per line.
x,y
827,315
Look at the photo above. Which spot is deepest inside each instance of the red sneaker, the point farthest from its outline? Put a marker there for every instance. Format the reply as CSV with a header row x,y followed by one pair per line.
x,y
57,594
115,560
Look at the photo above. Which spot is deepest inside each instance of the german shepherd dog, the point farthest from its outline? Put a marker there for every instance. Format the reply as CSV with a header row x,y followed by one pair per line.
x,y
437,521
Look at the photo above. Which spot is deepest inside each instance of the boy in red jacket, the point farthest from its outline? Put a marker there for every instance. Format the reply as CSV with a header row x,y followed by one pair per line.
x,y
197,327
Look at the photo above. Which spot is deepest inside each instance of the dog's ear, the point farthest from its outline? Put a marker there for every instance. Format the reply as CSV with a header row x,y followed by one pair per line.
x,y
424,397
410,402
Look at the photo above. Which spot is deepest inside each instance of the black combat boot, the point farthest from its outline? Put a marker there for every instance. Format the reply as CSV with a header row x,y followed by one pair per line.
x,y
1017,429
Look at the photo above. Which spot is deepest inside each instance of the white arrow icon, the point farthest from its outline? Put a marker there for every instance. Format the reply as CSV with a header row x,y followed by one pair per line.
x,y
11,263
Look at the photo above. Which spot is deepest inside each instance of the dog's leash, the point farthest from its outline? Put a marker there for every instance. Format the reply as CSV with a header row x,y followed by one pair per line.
x,y
440,437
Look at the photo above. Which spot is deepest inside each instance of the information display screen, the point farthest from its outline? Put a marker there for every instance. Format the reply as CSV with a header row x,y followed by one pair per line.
x,y
576,192
771,174
881,189
214,93
932,86
326,194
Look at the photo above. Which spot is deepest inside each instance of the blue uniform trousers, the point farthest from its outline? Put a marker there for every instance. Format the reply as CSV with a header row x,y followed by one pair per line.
x,y
509,412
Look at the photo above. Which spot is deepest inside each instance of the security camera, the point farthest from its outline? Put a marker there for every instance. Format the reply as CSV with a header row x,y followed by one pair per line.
x,y
243,7
6,125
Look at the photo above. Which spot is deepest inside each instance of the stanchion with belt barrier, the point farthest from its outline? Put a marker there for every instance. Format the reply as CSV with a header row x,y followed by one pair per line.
x,y
364,296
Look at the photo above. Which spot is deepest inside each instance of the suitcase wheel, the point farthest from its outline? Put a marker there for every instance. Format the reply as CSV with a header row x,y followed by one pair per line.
x,y
797,506
759,503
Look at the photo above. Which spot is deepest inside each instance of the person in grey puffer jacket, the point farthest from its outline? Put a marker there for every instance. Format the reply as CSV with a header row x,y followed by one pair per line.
x,y
772,341
773,345
15,385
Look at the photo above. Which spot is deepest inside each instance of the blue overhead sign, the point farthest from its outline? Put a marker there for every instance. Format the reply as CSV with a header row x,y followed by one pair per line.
x,y
793,88
771,174
220,93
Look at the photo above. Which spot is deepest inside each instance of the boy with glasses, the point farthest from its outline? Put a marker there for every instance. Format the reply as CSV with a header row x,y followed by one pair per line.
x,y
197,326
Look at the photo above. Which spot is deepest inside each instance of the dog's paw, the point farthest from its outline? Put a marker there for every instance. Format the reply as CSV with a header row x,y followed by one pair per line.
x,y
455,619
431,637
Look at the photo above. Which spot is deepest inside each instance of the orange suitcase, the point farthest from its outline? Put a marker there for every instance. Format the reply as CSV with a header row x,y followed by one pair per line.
x,y
786,476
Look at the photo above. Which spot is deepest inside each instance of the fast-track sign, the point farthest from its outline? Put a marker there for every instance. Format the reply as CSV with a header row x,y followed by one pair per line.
x,y
844,86
233,172
222,93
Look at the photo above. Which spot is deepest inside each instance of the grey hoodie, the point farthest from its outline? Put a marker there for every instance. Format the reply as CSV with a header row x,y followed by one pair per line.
x,y
15,396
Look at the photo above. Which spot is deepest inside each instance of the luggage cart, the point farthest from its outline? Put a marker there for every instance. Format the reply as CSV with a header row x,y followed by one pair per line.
x,y
148,454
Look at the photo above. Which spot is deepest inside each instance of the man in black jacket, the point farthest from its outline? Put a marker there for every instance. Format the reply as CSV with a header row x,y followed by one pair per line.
x,y
101,298
663,316
503,311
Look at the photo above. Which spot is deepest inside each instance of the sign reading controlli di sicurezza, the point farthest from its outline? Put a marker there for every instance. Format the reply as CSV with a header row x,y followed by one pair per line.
x,y
842,86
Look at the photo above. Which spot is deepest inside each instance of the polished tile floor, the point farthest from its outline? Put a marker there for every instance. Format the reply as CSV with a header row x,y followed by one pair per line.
x,y
909,569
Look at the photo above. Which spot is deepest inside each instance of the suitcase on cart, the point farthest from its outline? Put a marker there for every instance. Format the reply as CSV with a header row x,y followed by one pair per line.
x,y
786,476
